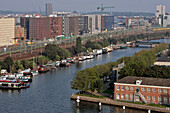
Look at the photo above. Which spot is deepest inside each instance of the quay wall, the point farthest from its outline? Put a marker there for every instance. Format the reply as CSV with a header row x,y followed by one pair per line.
x,y
108,101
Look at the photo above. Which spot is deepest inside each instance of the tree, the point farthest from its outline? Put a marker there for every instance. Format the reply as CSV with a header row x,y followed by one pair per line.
x,y
16,66
50,51
9,62
57,58
78,45
42,60
27,64
87,79
90,50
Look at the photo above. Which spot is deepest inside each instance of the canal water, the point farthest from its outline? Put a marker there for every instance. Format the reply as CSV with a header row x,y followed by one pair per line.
x,y
50,92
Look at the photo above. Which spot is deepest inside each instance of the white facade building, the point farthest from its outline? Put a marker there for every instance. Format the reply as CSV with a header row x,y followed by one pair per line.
x,y
160,10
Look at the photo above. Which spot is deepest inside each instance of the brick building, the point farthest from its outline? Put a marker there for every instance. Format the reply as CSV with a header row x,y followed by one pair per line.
x,y
74,25
56,26
143,89
39,28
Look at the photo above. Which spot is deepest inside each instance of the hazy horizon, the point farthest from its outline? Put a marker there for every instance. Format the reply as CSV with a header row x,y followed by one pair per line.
x,y
85,6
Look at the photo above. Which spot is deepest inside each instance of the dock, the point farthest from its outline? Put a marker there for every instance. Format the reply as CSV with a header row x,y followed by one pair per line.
x,y
108,101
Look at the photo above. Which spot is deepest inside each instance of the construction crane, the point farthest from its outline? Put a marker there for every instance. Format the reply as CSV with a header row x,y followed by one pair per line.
x,y
102,8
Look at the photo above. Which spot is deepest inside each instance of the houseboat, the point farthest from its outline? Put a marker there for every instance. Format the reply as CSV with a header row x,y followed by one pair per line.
x,y
43,69
10,85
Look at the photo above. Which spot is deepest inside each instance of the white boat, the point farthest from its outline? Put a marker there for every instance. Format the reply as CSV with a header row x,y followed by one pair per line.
x,y
89,57
34,73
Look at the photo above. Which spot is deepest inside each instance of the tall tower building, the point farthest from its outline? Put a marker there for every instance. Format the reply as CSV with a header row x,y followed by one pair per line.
x,y
48,9
160,10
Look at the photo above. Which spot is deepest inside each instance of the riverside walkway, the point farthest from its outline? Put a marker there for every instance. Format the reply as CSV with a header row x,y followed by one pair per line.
x,y
109,101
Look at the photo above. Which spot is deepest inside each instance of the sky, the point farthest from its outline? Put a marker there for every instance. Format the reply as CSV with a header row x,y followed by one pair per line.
x,y
84,5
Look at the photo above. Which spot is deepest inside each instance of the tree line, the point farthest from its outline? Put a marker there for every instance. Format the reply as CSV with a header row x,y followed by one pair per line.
x,y
136,65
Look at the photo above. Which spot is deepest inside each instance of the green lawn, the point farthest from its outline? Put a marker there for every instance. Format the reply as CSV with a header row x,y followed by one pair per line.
x,y
88,95
108,91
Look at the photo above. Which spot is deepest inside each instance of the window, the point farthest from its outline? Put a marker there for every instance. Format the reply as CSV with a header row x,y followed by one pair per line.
x,y
127,96
165,100
122,88
165,91
159,90
148,89
143,89
118,87
127,88
148,98
118,96
153,98
131,96
154,90
122,96
131,88
159,99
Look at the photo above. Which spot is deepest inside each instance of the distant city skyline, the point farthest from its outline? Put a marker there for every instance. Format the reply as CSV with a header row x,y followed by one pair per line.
x,y
85,6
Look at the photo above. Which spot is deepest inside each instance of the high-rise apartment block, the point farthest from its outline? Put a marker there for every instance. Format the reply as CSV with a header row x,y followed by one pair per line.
x,y
83,25
44,27
48,9
7,31
160,10
56,26
40,28
73,25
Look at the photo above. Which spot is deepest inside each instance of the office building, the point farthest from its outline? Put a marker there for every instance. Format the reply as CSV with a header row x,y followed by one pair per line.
x,y
107,23
7,31
48,9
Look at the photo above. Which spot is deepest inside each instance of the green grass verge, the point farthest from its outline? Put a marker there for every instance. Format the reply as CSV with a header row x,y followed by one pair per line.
x,y
158,105
108,91
155,105
88,95
131,102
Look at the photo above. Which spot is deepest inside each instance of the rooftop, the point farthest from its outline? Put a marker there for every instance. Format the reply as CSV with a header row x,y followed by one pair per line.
x,y
146,81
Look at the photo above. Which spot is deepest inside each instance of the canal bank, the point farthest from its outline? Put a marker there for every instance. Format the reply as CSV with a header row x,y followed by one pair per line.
x,y
108,101
50,92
